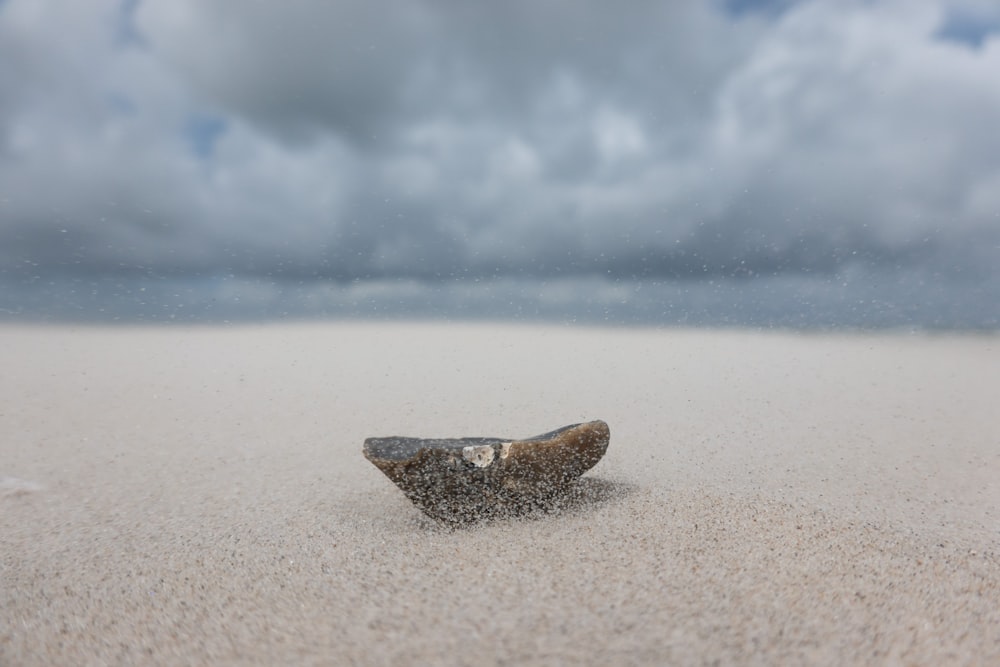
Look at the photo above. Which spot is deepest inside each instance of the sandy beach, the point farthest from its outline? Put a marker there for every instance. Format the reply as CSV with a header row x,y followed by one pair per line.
x,y
197,496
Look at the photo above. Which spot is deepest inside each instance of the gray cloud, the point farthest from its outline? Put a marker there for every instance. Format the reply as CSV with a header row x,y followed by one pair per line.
x,y
430,140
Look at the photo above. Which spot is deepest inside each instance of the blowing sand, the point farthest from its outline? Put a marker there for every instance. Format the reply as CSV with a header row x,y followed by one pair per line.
x,y
198,496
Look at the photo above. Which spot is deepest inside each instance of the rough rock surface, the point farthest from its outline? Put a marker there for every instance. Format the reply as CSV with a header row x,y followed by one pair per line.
x,y
464,479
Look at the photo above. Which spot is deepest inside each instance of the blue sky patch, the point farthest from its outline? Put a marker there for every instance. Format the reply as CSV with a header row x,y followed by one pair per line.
x,y
767,7
202,131
120,103
969,28
126,34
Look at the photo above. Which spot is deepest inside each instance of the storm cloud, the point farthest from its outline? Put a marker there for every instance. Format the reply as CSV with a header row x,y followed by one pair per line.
x,y
429,141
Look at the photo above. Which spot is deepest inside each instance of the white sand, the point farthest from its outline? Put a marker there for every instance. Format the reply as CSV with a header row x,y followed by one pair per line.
x,y
198,496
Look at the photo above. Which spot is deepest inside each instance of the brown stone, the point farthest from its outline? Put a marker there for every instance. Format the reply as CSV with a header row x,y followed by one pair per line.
x,y
465,479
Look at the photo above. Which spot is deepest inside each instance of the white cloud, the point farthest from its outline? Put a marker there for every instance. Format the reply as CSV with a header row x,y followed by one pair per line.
x,y
618,136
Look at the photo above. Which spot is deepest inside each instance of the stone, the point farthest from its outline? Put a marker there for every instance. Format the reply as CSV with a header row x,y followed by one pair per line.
x,y
458,480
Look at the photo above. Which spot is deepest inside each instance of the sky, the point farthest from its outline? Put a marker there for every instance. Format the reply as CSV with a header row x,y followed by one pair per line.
x,y
758,162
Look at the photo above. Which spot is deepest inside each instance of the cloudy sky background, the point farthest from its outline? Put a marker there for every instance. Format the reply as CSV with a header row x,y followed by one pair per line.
x,y
789,163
